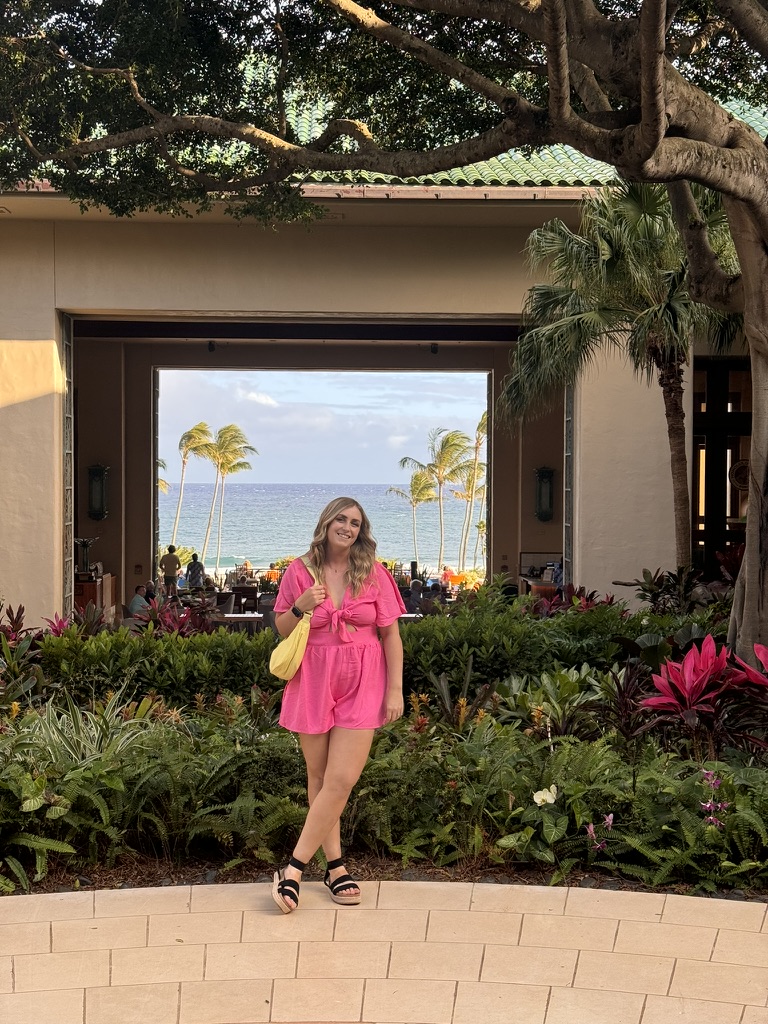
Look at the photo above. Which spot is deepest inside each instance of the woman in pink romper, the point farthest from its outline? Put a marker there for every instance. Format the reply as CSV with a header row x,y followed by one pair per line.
x,y
350,681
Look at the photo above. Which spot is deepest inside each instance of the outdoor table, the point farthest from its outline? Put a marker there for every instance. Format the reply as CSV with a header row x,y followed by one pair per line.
x,y
244,622
410,617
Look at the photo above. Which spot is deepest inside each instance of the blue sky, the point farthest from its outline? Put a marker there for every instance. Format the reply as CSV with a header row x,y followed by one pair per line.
x,y
318,427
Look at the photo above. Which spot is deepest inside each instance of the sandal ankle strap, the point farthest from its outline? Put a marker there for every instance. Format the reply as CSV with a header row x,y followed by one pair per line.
x,y
296,864
331,865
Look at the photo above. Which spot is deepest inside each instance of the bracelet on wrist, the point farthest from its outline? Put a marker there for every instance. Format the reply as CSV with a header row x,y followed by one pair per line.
x,y
297,612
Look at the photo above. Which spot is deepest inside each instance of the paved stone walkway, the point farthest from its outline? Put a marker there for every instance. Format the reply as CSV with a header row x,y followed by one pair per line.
x,y
413,953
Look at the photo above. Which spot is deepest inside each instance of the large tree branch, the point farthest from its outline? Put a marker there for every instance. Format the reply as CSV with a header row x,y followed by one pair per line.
x,y
653,123
123,73
741,176
689,46
751,21
516,14
343,127
370,23
289,157
558,75
707,281
587,88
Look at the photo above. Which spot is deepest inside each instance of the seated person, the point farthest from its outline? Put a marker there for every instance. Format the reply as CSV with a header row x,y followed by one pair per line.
x,y
413,604
138,601
151,593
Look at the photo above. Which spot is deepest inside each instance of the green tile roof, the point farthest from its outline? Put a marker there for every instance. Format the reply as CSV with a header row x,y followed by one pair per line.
x,y
552,166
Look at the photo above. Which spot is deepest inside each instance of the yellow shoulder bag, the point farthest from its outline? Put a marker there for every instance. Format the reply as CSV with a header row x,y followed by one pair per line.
x,y
286,658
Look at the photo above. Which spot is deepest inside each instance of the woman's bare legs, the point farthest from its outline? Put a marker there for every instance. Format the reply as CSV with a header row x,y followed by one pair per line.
x,y
335,761
315,751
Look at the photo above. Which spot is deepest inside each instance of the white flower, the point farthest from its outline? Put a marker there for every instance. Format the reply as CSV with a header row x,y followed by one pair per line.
x,y
545,796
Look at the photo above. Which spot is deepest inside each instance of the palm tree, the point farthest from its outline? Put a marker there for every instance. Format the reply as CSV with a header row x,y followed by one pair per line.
x,y
619,283
230,464
472,480
448,451
162,484
196,441
480,527
419,492
227,452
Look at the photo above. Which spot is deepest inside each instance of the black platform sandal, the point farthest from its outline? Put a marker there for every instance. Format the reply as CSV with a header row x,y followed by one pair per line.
x,y
343,882
282,886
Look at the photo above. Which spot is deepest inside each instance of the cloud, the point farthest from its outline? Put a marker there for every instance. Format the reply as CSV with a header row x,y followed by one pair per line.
x,y
259,398
397,440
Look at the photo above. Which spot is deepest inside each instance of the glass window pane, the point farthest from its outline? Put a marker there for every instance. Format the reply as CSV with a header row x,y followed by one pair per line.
x,y
739,391
699,391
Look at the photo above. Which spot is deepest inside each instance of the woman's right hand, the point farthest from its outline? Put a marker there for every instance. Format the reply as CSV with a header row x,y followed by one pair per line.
x,y
311,598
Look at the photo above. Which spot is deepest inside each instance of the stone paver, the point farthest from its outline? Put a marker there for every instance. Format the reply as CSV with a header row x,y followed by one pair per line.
x,y
413,953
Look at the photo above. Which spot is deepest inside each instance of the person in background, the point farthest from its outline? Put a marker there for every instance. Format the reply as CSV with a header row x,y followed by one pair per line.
x,y
349,683
413,604
150,594
170,566
195,573
138,601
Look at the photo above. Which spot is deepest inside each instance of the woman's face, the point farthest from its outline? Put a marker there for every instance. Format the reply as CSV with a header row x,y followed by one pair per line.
x,y
343,531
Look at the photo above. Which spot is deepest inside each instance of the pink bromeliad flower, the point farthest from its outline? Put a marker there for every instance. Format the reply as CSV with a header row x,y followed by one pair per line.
x,y
688,687
750,674
57,624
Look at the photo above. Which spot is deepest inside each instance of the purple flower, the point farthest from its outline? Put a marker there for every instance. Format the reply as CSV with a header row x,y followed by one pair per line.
x,y
591,831
712,820
600,846
608,821
710,805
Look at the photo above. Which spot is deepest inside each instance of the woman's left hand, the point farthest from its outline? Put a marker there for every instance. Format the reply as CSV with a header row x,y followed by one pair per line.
x,y
394,706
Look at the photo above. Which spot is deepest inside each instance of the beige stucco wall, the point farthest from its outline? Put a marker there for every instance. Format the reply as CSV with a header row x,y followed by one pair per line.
x,y
623,516
31,422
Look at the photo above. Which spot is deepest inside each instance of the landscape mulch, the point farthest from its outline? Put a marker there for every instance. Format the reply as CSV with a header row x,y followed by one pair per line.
x,y
135,871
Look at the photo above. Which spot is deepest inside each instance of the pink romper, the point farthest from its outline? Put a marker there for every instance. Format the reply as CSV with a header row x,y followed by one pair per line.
x,y
343,676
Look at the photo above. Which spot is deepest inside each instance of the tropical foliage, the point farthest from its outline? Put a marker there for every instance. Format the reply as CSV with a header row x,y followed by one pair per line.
x,y
559,735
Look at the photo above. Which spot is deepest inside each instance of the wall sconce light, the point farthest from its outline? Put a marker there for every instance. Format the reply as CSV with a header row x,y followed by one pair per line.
x,y
97,491
545,494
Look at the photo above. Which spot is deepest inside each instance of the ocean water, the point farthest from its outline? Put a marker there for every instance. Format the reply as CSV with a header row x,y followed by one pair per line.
x,y
264,522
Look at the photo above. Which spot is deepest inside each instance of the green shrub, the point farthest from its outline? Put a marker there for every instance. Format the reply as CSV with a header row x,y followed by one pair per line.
x,y
173,666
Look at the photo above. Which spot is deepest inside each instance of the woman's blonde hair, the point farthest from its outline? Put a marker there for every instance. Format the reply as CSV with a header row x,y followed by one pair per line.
x,y
362,555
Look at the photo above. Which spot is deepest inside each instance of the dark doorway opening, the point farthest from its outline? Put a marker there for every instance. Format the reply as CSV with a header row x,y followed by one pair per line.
x,y
722,428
